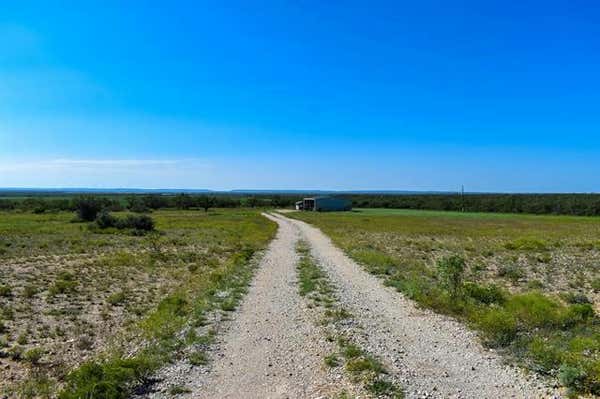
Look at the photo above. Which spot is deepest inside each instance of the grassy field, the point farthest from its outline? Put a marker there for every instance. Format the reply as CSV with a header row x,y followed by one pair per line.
x,y
85,310
529,284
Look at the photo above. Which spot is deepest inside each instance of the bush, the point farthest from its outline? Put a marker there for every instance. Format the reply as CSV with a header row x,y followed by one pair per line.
x,y
136,222
546,356
488,295
512,272
87,208
535,310
451,272
106,220
572,377
578,313
576,298
110,380
498,325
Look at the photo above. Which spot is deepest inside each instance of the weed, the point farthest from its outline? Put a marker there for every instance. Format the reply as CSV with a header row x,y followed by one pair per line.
x,y
511,271
485,294
198,358
364,364
22,339
451,272
5,290
178,390
33,356
527,244
118,298
332,360
498,325
595,284
30,290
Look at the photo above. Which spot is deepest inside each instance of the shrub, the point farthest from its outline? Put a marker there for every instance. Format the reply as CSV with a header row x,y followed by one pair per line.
x,y
512,272
488,295
451,272
576,314
576,298
571,377
535,310
546,356
498,325
136,222
105,380
87,208
106,220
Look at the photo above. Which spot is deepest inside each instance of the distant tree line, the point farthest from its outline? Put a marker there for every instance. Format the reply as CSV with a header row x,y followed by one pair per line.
x,y
559,204
142,203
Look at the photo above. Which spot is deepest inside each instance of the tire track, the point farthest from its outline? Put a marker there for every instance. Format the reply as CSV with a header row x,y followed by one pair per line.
x,y
433,356
272,348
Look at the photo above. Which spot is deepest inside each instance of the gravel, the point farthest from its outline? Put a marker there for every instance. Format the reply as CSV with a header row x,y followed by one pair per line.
x,y
271,348
432,355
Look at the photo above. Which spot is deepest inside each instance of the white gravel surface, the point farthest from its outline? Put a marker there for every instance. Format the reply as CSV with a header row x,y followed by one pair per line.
x,y
272,347
433,356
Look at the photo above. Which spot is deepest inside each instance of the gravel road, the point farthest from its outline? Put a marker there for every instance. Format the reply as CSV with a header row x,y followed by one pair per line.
x,y
432,355
272,348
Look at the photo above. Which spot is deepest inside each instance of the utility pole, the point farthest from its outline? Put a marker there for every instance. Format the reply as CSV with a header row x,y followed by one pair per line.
x,y
462,198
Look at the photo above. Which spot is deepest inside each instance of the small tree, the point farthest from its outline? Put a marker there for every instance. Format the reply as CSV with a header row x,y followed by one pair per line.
x,y
451,272
87,208
183,201
206,202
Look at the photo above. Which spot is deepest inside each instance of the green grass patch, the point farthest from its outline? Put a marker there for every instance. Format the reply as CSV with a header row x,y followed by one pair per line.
x,y
435,259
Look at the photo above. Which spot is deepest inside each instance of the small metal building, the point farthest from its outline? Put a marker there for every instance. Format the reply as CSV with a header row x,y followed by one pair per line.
x,y
325,204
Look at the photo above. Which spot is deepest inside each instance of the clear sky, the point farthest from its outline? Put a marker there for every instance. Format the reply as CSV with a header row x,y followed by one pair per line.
x,y
407,95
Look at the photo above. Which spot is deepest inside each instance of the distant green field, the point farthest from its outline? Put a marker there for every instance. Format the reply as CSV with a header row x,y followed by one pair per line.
x,y
530,284
477,215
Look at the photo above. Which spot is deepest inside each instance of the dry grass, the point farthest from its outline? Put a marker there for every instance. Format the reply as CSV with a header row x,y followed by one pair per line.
x,y
68,294
519,252
529,284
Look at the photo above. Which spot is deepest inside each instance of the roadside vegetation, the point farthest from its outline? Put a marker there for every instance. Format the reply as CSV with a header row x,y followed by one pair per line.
x,y
362,367
87,311
528,284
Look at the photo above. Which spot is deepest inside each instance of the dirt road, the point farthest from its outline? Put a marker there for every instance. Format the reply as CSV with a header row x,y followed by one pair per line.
x,y
433,355
274,349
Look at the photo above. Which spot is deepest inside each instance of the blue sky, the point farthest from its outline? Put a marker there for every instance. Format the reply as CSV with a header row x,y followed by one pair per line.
x,y
422,95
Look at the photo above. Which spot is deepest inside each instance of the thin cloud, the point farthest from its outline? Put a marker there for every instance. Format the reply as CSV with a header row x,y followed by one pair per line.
x,y
74,164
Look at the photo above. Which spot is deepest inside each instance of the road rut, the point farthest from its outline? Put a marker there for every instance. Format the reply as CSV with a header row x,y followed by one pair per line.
x,y
273,349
